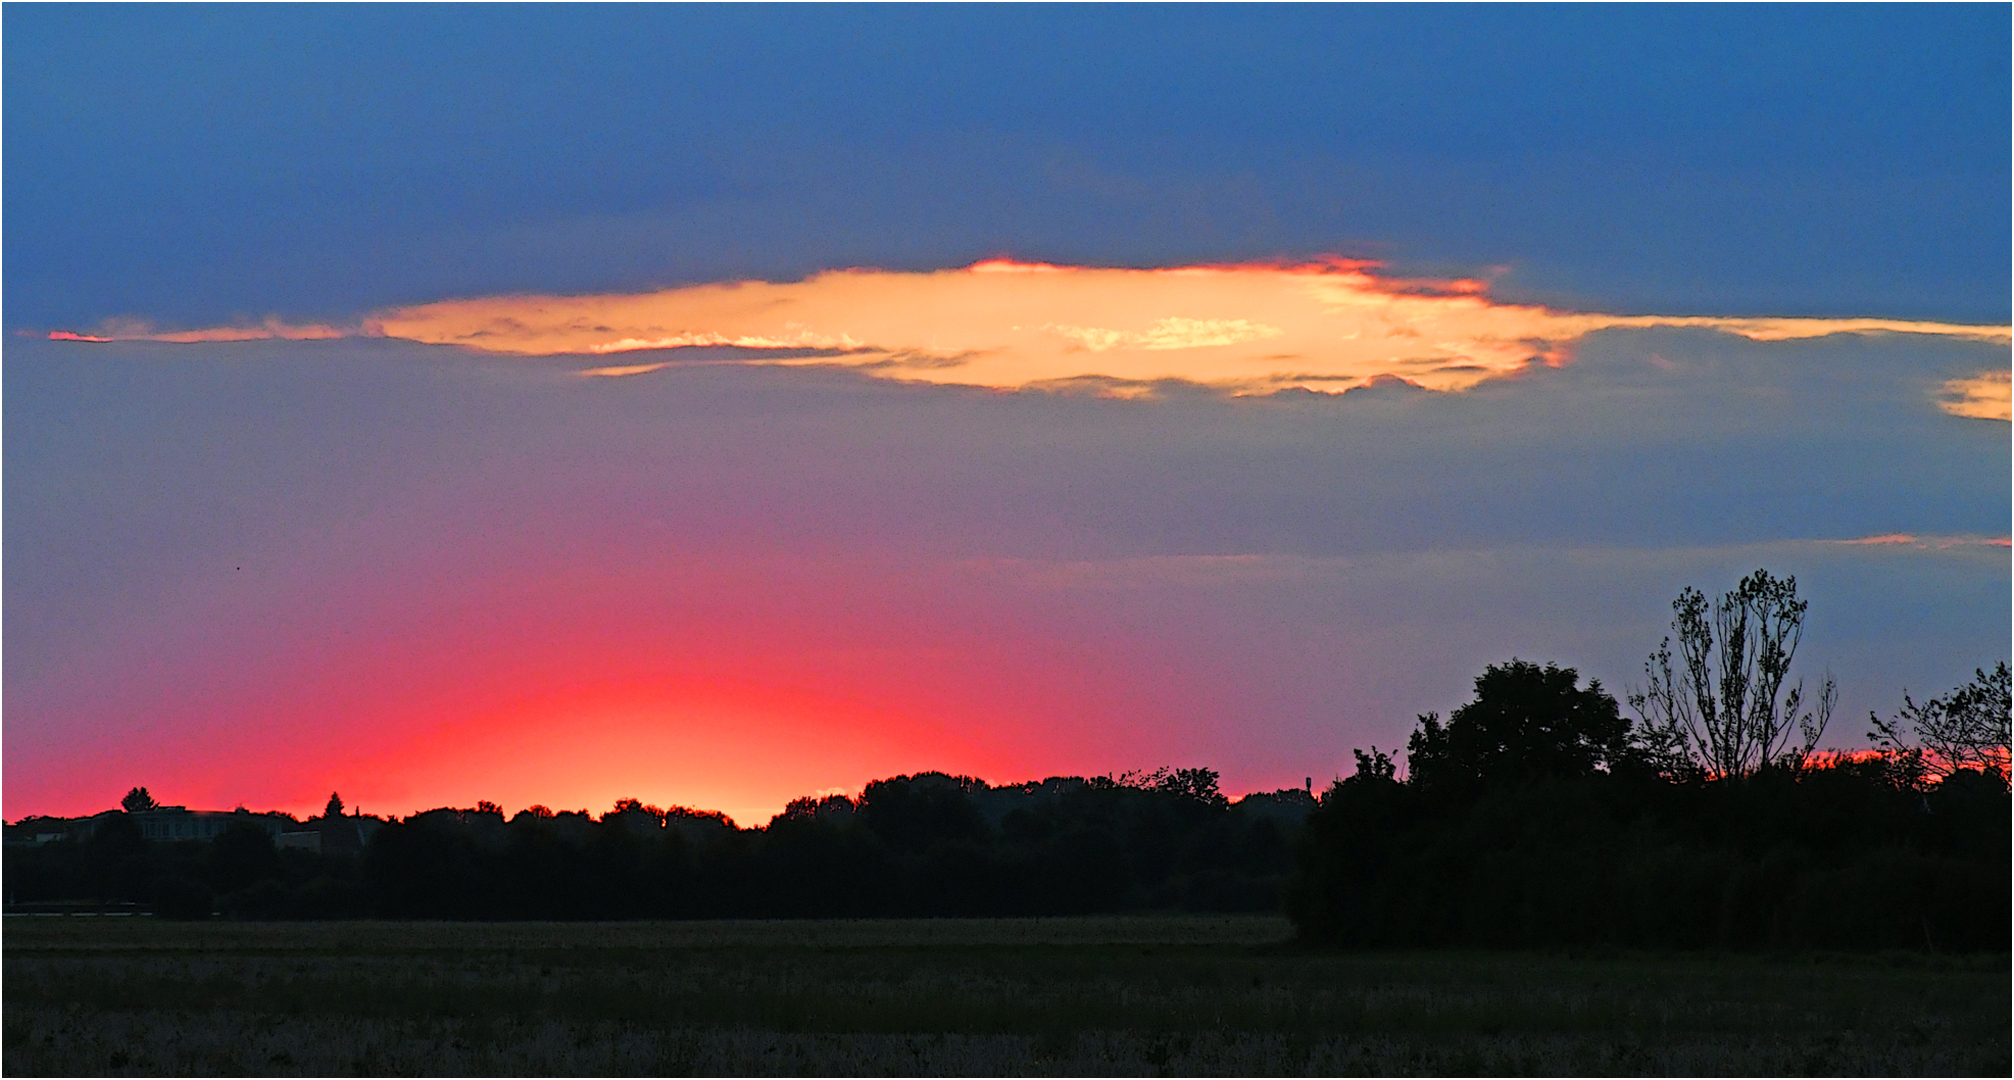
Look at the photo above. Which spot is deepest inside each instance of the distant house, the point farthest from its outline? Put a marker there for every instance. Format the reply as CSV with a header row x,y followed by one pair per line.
x,y
344,832
164,823
38,830
328,833
182,823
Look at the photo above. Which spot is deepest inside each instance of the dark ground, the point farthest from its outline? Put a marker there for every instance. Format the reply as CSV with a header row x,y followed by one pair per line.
x,y
1177,995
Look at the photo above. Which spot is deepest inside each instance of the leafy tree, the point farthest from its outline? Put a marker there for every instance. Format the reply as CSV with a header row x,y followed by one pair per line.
x,y
1375,765
1363,828
817,808
335,807
916,812
138,801
1198,784
1723,709
1967,728
241,855
1526,722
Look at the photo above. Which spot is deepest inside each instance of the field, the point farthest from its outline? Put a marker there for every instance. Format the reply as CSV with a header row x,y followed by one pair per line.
x,y
1093,996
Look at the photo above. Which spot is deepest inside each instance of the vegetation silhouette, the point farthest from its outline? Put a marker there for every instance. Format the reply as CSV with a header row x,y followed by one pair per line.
x,y
1526,723
930,844
1966,729
1537,814
1724,710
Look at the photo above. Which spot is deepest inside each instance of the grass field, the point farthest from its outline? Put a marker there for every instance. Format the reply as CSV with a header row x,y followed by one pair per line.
x,y
1095,996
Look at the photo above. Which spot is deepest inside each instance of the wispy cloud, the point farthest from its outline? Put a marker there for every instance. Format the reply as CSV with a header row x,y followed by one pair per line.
x,y
1927,542
1328,325
1985,396
269,329
619,370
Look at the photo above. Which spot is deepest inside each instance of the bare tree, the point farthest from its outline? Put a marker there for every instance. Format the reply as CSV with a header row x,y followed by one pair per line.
x,y
1967,728
1723,708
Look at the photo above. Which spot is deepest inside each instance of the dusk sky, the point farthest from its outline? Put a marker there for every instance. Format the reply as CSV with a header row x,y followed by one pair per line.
x,y
719,405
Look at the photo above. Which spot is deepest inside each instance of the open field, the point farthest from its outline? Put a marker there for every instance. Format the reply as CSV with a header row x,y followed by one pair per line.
x,y
1094,996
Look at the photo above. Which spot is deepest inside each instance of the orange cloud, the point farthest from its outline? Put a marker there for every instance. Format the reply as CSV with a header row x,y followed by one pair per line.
x,y
270,329
1988,395
619,370
1328,325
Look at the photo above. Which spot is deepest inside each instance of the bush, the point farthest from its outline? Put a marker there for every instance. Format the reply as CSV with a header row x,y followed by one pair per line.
x,y
182,898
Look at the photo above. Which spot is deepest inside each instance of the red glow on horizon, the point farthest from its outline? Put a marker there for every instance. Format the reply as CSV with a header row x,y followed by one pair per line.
x,y
731,682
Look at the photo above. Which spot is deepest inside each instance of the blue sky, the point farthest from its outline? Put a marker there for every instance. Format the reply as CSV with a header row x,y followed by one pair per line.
x,y
195,162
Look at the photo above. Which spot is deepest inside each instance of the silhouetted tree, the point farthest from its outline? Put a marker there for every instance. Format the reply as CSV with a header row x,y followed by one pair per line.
x,y
335,807
1723,709
817,807
1375,765
115,858
1197,784
1342,889
137,801
1526,722
917,812
241,855
1967,728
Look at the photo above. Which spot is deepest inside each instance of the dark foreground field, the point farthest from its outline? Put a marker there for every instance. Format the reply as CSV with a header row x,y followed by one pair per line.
x,y
1090,996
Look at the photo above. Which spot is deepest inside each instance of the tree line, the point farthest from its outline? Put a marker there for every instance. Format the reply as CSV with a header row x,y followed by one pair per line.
x,y
1537,814
930,844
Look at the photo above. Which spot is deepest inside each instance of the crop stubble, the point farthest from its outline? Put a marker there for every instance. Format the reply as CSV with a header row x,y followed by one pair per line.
x,y
1092,996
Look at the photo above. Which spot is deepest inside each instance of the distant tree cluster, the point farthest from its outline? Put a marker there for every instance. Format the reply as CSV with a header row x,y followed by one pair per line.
x,y
1538,814
929,844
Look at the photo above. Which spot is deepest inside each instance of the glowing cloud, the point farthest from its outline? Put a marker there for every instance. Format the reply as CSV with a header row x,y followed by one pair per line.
x,y
619,370
1328,325
268,330
1172,333
1988,395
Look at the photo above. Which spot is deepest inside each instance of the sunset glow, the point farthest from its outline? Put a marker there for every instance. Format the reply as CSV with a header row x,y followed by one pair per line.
x,y
719,404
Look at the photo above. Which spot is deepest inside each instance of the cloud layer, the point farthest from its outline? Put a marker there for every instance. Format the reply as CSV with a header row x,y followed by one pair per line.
x,y
1325,326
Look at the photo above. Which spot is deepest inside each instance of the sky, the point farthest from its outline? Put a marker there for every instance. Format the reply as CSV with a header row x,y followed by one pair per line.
x,y
719,405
